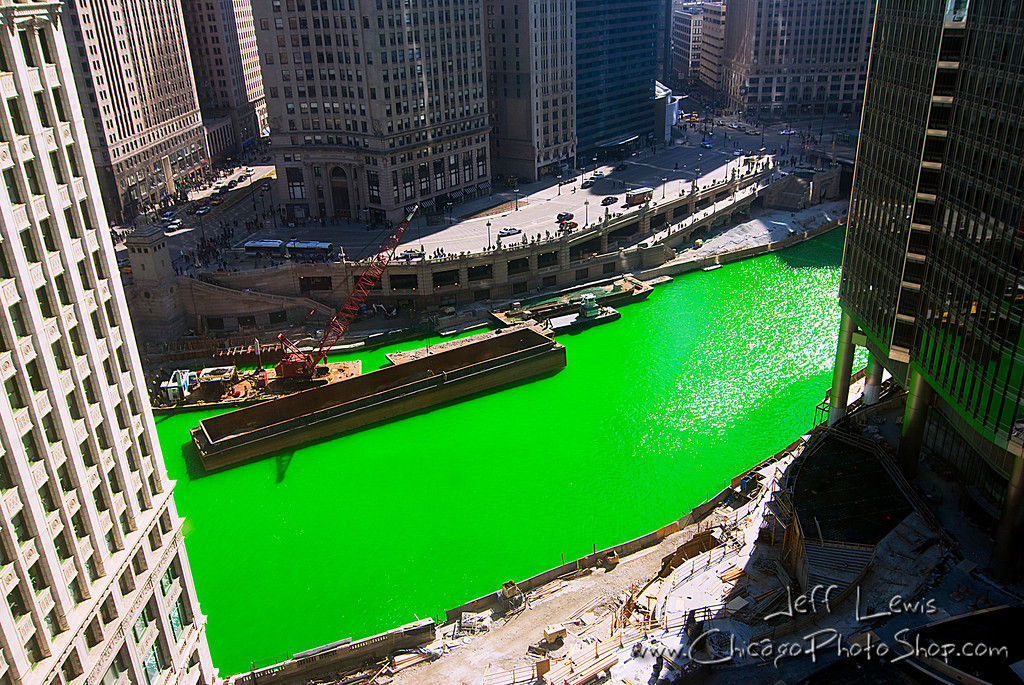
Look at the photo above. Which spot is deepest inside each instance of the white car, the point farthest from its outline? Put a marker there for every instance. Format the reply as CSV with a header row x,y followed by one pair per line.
x,y
411,254
598,174
786,132
173,225
506,232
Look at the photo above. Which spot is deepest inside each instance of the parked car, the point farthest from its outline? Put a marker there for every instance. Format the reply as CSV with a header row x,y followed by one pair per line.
x,y
568,225
587,184
564,216
706,145
597,174
610,200
508,230
232,184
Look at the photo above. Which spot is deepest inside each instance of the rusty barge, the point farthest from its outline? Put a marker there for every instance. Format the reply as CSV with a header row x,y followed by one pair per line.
x,y
319,413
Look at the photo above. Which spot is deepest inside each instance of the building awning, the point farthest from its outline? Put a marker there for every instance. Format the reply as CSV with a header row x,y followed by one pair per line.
x,y
486,185
429,202
619,141
456,195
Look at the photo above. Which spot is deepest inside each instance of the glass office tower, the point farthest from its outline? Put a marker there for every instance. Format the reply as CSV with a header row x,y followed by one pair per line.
x,y
933,272
616,60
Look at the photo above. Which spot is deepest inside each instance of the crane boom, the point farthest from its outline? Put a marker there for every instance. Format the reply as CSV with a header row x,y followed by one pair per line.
x,y
302,364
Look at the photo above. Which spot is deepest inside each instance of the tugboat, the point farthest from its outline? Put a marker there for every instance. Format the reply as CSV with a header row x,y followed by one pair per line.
x,y
588,313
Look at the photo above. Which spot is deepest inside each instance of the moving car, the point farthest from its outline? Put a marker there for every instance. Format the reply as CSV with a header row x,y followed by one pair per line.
x,y
509,230
167,216
707,145
203,210
564,216
597,174
172,225
609,201
588,183
568,225
786,132
411,254
216,201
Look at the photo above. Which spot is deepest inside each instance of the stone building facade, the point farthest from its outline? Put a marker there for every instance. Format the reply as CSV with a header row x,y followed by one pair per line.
x,y
92,563
134,75
374,105
531,85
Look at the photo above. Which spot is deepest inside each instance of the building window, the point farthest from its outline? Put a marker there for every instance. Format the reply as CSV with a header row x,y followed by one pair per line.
x,y
153,664
296,186
373,186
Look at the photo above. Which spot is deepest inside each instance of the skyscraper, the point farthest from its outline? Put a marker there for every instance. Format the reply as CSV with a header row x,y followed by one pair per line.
x,y
531,85
805,56
134,75
374,105
686,30
92,565
933,272
615,67
712,49
226,66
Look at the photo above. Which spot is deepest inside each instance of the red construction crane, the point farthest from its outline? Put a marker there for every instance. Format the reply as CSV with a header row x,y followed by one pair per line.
x,y
299,364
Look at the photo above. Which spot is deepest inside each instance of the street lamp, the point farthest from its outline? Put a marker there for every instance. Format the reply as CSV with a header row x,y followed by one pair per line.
x,y
586,213
664,181
515,192
488,235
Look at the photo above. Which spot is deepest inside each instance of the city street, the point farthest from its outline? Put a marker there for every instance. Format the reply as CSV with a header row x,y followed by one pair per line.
x,y
669,172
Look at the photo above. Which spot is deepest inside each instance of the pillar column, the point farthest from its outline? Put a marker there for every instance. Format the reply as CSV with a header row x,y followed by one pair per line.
x,y
873,380
914,417
841,373
1004,552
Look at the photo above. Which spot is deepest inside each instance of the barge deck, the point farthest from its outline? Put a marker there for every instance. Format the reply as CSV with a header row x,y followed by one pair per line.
x,y
385,394
247,389
421,352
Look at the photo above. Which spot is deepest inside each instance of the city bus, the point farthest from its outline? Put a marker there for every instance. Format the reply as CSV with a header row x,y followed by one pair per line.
x,y
310,249
638,196
263,248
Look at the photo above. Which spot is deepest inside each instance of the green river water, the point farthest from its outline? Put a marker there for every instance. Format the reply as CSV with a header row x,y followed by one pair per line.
x,y
654,413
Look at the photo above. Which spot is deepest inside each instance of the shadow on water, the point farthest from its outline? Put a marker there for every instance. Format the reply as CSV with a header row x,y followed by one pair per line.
x,y
194,465
823,251
283,460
